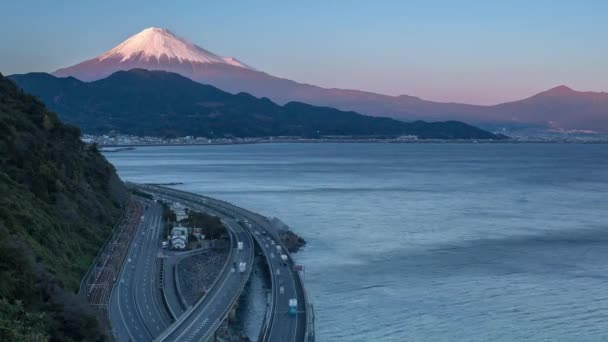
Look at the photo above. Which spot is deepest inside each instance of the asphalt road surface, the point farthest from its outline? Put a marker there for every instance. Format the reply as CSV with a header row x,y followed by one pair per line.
x,y
281,325
200,321
136,312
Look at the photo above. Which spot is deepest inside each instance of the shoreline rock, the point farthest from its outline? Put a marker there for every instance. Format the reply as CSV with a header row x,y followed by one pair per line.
x,y
291,240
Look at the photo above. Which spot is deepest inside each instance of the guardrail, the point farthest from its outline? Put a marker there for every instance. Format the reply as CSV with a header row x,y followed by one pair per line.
x,y
176,286
123,264
199,302
84,279
309,329
163,292
269,313
240,290
178,289
310,318
301,283
269,319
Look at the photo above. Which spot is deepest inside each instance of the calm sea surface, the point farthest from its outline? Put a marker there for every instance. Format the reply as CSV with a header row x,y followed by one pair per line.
x,y
416,242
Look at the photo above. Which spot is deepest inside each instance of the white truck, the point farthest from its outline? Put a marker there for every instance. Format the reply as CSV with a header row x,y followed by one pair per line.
x,y
239,245
293,306
242,267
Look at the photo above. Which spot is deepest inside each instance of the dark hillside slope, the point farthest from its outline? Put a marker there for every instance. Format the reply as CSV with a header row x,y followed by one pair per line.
x,y
58,201
160,103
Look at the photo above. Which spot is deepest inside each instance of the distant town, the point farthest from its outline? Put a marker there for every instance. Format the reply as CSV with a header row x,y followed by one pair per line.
x,y
121,140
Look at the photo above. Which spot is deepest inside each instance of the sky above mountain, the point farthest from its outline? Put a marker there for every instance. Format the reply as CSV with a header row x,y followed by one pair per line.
x,y
463,51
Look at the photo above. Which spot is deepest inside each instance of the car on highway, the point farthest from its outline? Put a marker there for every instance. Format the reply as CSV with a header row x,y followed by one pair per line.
x,y
293,306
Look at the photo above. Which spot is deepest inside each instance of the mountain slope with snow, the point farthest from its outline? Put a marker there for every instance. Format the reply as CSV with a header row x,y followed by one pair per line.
x,y
159,49
160,44
154,49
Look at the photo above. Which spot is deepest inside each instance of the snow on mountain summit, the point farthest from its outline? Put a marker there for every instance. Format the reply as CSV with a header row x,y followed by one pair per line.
x,y
160,49
236,62
155,44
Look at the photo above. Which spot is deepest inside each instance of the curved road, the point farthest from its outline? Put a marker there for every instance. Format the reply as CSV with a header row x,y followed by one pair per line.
x,y
281,326
200,321
136,313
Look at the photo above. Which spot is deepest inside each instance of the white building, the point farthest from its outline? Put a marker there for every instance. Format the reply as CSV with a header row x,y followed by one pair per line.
x,y
178,242
180,231
179,237
179,210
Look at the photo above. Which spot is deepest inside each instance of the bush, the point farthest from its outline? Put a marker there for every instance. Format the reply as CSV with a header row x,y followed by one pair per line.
x,y
58,202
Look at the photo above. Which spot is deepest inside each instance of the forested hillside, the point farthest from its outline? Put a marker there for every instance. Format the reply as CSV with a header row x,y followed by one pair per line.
x,y
59,199
159,103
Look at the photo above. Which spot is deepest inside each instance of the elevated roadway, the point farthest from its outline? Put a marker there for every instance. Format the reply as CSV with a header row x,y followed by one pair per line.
x,y
136,312
200,321
279,324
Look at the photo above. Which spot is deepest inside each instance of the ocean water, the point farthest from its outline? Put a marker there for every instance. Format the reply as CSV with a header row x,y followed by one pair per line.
x,y
424,242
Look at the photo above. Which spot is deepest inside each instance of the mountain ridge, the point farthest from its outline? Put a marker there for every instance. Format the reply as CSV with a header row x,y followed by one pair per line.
x,y
160,103
234,76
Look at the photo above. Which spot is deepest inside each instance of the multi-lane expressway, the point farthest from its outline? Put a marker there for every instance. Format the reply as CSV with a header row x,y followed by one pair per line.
x,y
279,325
201,320
136,313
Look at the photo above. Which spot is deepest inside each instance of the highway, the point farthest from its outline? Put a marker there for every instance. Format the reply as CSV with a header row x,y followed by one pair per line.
x,y
281,326
201,320
98,283
175,303
286,283
136,311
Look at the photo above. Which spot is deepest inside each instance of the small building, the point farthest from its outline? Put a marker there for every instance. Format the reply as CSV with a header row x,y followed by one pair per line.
x,y
180,231
179,237
178,242
198,233
179,210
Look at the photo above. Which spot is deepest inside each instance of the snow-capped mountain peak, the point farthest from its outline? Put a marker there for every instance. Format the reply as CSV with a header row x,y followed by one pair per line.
x,y
157,44
236,62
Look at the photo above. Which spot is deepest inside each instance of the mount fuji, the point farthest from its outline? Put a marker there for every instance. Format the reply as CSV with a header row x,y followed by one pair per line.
x,y
561,108
160,49
155,49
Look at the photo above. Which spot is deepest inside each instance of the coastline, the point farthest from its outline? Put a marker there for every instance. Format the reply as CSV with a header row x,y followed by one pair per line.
x,y
129,146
